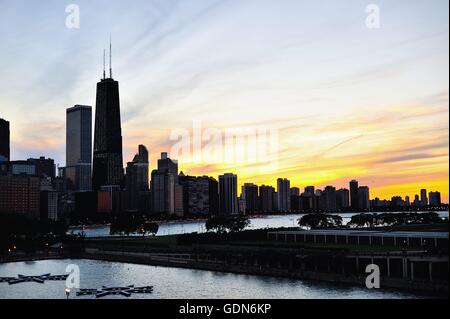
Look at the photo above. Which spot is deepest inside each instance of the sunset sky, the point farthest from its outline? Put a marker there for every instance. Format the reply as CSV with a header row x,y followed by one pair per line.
x,y
348,101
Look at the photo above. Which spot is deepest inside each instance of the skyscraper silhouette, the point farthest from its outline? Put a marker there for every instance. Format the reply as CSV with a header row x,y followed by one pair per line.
x,y
108,160
4,140
79,147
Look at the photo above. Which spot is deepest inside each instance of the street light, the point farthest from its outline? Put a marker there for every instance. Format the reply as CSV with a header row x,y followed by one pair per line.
x,y
67,290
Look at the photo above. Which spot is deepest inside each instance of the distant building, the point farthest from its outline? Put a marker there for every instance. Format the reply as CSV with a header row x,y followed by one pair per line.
x,y
22,168
104,203
397,201
20,195
407,201
342,199
4,141
200,195
423,197
329,198
163,182
48,200
276,206
178,200
308,199
79,147
295,191
364,198
163,192
165,164
266,198
250,197
417,202
49,205
228,194
284,195
354,199
136,178
435,198
115,193
44,167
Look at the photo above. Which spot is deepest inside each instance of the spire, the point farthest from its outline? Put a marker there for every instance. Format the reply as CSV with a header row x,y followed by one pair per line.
x,y
104,64
110,57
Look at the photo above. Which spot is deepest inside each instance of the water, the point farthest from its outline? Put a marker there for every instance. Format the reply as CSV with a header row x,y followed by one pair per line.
x,y
173,283
185,227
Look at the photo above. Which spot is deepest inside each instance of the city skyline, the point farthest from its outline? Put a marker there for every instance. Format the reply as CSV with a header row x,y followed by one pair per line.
x,y
396,142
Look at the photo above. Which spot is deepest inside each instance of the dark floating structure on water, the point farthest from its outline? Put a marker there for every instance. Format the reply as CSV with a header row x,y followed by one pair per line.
x,y
123,291
38,279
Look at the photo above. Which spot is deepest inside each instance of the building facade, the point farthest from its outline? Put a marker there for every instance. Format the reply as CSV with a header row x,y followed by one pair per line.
x,y
284,195
354,200
228,194
108,159
136,178
20,195
4,141
79,147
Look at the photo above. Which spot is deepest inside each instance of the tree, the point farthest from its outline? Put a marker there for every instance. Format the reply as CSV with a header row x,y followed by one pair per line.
x,y
314,221
223,225
125,224
362,220
150,228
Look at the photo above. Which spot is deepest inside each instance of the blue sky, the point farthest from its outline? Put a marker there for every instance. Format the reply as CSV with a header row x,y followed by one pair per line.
x,y
312,68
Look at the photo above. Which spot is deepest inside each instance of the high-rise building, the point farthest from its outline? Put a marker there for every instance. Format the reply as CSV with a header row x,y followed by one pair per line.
x,y
21,168
250,197
329,199
423,197
4,141
163,182
343,199
308,199
266,198
79,147
168,165
137,178
417,202
20,195
108,160
407,201
364,198
200,195
284,194
228,194
295,191
354,201
435,198
45,167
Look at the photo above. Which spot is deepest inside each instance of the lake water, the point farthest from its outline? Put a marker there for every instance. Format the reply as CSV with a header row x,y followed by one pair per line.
x,y
174,283
185,227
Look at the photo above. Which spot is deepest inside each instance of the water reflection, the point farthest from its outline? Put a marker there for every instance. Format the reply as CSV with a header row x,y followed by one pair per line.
x,y
177,283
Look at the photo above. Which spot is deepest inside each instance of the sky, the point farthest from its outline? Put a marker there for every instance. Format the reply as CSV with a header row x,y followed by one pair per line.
x,y
347,101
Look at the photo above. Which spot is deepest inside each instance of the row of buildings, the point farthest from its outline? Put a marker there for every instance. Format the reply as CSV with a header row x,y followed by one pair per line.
x,y
94,183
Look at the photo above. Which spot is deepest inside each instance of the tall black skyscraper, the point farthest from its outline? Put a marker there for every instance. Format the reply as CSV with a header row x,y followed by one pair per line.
x,y
354,202
108,160
4,140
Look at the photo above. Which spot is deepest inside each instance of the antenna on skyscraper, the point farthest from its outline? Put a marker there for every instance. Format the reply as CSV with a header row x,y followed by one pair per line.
x,y
110,57
104,64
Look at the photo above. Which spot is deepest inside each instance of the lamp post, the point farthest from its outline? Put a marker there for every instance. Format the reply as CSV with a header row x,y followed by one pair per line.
x,y
67,290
